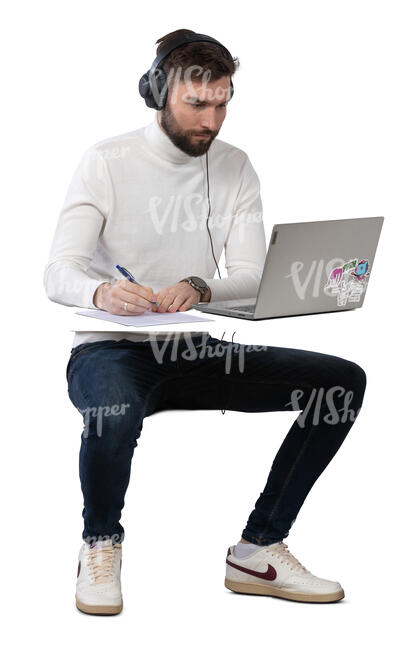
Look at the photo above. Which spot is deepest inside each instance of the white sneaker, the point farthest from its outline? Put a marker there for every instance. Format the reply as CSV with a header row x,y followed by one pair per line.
x,y
98,588
274,571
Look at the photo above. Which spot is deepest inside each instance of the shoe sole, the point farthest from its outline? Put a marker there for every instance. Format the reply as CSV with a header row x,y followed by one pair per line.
x,y
99,609
267,590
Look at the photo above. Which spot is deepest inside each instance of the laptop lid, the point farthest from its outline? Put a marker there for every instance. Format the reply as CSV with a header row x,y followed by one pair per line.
x,y
318,266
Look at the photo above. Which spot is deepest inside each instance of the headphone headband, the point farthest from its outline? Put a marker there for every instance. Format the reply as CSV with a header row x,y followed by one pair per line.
x,y
184,39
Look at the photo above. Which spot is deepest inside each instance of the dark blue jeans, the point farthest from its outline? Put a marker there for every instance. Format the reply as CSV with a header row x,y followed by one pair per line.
x,y
116,384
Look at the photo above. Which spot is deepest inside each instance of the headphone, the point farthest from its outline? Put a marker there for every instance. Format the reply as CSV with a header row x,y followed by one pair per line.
x,y
153,88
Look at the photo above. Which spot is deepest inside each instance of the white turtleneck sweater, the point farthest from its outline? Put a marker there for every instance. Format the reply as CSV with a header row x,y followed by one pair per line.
x,y
139,201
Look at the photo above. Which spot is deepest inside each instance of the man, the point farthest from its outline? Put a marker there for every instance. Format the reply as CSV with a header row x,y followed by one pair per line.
x,y
138,200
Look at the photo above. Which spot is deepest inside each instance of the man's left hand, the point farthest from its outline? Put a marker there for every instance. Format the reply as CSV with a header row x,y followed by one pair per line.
x,y
178,297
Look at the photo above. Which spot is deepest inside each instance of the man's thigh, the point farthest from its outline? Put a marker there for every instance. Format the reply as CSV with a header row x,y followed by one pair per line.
x,y
125,381
249,378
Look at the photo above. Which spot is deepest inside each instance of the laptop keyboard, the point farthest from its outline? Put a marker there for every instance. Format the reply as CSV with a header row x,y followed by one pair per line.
x,y
249,308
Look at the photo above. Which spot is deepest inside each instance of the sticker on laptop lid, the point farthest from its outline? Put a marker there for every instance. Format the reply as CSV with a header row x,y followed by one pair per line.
x,y
348,282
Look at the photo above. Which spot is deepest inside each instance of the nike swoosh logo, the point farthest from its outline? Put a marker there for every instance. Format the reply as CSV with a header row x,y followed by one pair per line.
x,y
269,574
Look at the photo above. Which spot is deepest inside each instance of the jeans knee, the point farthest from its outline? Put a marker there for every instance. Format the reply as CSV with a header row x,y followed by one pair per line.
x,y
358,375
112,429
355,380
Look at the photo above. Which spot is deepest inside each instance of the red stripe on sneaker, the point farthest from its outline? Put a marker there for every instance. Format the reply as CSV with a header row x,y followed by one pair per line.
x,y
269,574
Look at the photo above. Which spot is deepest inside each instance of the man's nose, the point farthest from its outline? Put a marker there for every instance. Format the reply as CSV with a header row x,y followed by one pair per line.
x,y
209,120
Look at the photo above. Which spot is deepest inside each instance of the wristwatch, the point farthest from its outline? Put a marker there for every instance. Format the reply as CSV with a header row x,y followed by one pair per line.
x,y
197,283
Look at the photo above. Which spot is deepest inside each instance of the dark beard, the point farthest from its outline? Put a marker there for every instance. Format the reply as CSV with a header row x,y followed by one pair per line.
x,y
181,140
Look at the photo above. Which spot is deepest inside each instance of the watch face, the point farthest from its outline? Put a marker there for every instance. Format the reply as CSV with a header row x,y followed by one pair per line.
x,y
199,281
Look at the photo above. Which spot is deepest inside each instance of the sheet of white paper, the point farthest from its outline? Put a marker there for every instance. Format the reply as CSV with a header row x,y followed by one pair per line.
x,y
148,317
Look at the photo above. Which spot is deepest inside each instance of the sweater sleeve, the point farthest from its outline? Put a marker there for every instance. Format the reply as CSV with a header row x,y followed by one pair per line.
x,y
81,220
245,246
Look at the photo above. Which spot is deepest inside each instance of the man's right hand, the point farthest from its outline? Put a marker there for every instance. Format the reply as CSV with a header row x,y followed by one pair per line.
x,y
123,297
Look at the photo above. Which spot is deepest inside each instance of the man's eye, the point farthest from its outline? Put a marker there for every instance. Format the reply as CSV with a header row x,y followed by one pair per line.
x,y
201,105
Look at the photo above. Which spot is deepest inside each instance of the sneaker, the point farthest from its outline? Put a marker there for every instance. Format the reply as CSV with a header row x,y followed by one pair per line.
x,y
274,571
98,589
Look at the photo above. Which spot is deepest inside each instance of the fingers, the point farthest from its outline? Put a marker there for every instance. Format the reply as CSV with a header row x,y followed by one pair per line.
x,y
119,305
136,289
133,299
187,305
171,302
168,298
139,298
126,293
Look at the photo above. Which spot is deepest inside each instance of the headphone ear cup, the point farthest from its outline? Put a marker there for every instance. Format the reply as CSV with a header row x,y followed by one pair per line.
x,y
159,89
145,90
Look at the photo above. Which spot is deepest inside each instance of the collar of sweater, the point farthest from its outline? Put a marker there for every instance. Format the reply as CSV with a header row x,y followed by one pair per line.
x,y
163,146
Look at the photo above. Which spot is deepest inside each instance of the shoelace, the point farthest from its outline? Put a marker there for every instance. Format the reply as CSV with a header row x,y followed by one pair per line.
x,y
100,563
280,548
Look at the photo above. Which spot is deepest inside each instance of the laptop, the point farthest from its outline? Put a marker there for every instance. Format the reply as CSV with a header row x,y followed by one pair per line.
x,y
310,268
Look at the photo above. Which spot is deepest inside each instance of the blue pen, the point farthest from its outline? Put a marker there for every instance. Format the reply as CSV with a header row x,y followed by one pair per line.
x,y
130,277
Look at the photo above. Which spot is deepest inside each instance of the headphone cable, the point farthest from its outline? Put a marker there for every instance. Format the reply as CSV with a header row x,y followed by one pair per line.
x,y
209,211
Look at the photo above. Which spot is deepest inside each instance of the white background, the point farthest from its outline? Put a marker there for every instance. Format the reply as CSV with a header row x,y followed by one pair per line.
x,y
323,107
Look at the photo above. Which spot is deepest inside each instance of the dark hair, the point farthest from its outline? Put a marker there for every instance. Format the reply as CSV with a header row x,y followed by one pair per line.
x,y
207,55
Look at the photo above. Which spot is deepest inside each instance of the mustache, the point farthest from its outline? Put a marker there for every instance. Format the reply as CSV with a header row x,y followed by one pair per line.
x,y
204,133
